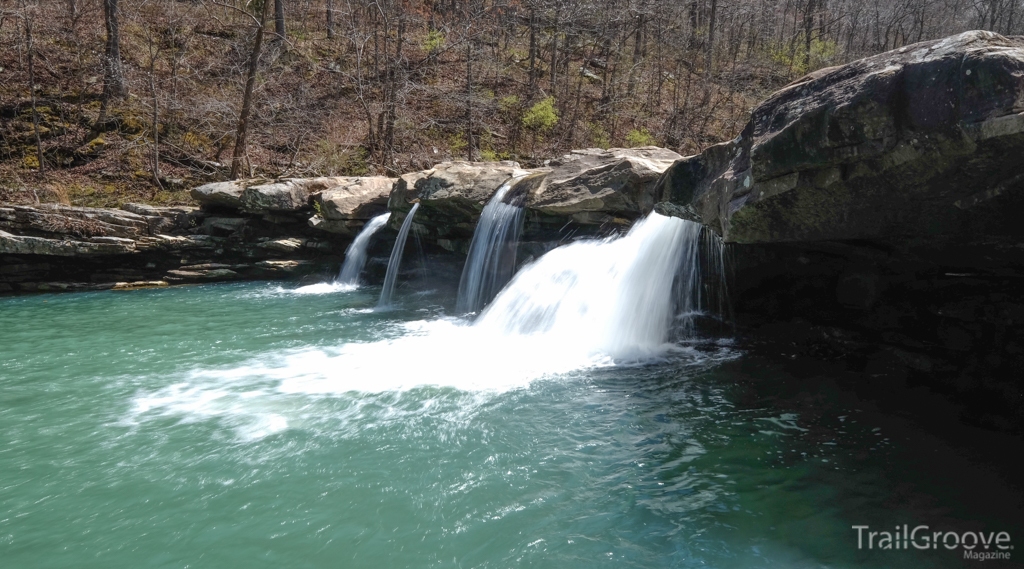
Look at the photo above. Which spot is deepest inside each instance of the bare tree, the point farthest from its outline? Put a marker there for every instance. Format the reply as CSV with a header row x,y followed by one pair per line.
x,y
710,47
28,14
279,19
330,19
250,83
114,84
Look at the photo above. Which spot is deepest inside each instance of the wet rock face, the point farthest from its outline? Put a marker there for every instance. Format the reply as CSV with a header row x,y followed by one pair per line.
x,y
920,142
948,320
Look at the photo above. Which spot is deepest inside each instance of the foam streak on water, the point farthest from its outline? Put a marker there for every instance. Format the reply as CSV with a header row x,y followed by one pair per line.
x,y
355,255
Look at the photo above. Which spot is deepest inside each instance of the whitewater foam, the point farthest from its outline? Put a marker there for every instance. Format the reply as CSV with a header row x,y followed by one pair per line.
x,y
612,298
323,288
585,305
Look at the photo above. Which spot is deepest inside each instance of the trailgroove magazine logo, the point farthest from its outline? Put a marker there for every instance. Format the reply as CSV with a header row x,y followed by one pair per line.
x,y
976,545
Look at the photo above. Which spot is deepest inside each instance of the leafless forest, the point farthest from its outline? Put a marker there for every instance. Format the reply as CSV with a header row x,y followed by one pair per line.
x,y
106,101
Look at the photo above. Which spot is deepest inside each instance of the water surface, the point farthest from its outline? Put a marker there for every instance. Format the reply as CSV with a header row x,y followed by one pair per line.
x,y
248,425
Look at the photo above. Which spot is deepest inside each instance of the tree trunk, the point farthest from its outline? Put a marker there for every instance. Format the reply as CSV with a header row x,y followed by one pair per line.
x,y
279,19
32,92
250,83
554,54
114,82
808,28
156,128
330,19
469,101
533,51
710,48
694,24
114,86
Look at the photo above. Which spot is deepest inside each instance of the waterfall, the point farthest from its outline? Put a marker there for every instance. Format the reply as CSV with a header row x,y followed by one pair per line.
x,y
492,252
583,305
355,255
613,298
701,290
396,259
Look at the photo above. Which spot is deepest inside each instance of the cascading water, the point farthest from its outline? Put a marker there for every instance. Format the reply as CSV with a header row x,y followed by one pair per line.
x,y
700,287
355,255
610,298
396,259
583,305
492,252
586,304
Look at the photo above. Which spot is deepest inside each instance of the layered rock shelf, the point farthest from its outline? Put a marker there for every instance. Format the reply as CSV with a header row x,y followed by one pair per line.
x,y
56,248
257,228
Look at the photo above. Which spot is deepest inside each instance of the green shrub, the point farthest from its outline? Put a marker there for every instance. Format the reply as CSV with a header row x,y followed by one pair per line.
x,y
542,116
434,41
457,143
640,137
509,106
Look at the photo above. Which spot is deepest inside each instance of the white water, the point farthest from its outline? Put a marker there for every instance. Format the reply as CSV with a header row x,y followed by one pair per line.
x,y
701,284
355,255
318,288
610,298
585,305
492,253
396,259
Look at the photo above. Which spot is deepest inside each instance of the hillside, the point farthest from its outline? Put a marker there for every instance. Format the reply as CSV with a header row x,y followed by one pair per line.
x,y
386,87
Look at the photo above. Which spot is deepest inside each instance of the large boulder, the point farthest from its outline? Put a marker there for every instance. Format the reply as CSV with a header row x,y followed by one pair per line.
x,y
346,207
592,185
873,212
451,195
220,194
288,195
922,142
